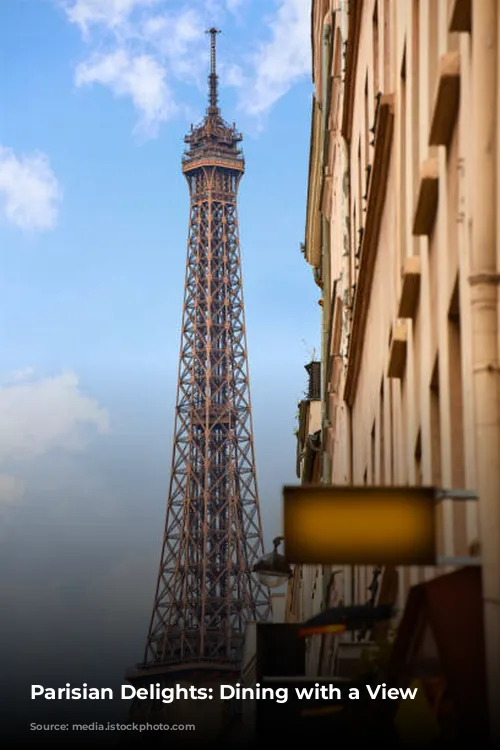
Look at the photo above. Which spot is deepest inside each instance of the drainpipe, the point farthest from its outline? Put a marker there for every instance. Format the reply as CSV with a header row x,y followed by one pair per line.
x,y
484,281
349,570
348,282
347,267
346,270
325,244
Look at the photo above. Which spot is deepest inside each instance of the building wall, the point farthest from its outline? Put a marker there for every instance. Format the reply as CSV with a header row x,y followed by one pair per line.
x,y
304,591
402,401
411,428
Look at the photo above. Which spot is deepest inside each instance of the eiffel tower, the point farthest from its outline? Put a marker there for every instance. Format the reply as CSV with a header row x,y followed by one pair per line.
x,y
206,593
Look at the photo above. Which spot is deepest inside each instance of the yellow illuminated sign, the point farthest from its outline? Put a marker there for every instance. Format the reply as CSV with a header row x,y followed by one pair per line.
x,y
335,525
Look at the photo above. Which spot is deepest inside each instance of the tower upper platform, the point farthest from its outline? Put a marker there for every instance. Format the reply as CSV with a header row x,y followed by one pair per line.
x,y
213,142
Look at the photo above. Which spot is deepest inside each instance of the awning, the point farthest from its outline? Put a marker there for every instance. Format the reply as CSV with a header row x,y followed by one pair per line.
x,y
339,619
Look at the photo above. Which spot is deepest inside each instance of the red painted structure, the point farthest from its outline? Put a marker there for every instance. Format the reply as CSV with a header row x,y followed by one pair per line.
x,y
206,592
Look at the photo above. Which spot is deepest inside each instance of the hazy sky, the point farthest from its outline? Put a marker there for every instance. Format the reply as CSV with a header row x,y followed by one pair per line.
x,y
95,98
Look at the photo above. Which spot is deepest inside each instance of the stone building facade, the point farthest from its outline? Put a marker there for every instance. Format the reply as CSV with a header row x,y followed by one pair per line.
x,y
403,239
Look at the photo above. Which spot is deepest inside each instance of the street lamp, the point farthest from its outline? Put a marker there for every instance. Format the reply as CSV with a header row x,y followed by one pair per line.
x,y
272,569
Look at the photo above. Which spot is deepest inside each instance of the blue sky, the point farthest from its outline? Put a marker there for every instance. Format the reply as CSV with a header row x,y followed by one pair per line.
x,y
96,96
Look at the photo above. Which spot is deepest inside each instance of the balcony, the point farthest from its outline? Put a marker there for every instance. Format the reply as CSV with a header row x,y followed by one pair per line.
x,y
309,426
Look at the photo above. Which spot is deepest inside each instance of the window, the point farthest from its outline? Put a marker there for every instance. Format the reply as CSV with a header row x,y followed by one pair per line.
x,y
388,6
435,427
360,203
455,391
367,134
436,476
418,459
376,55
432,59
402,168
373,456
456,411
390,436
412,125
404,426
381,426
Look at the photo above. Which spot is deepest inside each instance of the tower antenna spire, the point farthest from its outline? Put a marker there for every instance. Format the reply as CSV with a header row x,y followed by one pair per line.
x,y
213,79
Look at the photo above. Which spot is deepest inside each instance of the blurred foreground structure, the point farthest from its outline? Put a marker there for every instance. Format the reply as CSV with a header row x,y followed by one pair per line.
x,y
403,239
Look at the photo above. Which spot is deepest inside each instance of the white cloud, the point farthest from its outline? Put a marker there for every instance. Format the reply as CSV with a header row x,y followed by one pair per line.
x,y
285,59
140,48
37,415
173,33
232,75
19,375
141,78
11,490
175,38
111,13
234,5
143,48
29,191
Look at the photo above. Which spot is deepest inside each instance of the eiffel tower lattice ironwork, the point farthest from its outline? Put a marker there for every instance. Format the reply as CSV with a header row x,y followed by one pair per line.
x,y
206,593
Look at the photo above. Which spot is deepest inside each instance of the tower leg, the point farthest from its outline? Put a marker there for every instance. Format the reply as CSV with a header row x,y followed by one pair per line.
x,y
185,721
